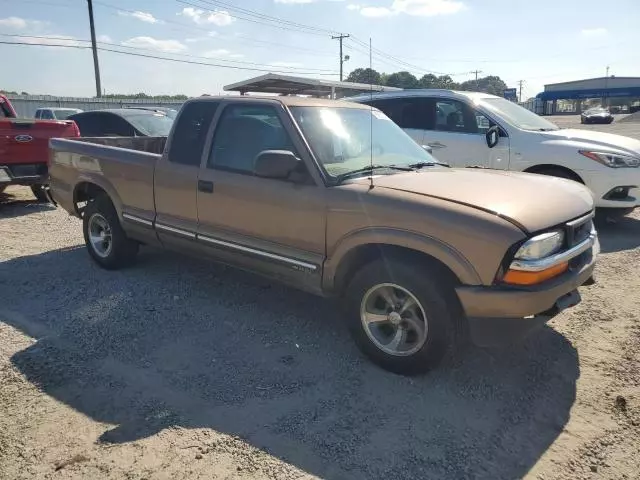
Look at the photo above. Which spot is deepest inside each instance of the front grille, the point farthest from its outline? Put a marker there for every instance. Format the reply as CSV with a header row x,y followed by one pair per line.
x,y
578,231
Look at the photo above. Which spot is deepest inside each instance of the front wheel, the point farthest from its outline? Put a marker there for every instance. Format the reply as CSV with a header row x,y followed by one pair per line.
x,y
106,241
400,317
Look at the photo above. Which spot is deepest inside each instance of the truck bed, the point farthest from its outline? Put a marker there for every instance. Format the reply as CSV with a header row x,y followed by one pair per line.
x,y
141,144
122,166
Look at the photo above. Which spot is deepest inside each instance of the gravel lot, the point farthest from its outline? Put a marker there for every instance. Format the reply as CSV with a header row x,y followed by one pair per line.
x,y
178,368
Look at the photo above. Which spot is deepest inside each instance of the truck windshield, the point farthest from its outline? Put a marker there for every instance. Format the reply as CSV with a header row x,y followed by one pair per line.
x,y
344,140
518,116
153,125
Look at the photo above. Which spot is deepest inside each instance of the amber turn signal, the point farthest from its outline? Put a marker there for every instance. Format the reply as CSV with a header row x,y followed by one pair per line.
x,y
520,277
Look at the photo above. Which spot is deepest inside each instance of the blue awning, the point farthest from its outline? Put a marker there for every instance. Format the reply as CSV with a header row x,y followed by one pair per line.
x,y
590,93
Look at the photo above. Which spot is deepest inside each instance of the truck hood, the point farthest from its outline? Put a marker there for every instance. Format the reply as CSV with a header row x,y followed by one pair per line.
x,y
597,140
531,202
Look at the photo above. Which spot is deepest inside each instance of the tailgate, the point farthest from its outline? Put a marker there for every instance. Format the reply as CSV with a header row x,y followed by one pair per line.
x,y
27,141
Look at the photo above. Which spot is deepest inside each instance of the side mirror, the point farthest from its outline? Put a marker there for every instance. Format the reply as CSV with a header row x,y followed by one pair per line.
x,y
427,149
278,164
492,136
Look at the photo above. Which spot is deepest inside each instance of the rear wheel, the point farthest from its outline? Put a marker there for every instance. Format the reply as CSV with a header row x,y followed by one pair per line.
x,y
39,192
400,317
106,241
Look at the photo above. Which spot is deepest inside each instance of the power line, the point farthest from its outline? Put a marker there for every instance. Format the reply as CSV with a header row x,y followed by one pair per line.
x,y
3,42
158,57
40,37
402,65
256,19
263,16
241,38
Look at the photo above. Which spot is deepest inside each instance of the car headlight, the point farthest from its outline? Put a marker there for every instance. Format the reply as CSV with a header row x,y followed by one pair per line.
x,y
613,160
541,246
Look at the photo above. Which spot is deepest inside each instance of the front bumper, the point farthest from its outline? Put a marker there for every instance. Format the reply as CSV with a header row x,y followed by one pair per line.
x,y
604,181
23,174
501,314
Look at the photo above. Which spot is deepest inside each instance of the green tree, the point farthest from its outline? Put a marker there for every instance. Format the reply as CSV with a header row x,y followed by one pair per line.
x,y
491,84
402,79
365,75
432,81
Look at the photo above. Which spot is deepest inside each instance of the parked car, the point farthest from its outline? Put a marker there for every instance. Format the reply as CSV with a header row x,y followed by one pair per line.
x,y
333,198
169,112
461,128
24,149
122,122
55,113
596,115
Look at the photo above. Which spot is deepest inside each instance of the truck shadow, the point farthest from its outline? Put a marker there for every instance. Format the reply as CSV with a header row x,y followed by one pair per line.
x,y
12,205
178,342
620,236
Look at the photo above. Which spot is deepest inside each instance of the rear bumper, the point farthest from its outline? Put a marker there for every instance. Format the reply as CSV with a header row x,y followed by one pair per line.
x,y
23,174
503,314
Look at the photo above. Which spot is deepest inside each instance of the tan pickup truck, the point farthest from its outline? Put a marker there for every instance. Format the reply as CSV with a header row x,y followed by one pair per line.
x,y
334,198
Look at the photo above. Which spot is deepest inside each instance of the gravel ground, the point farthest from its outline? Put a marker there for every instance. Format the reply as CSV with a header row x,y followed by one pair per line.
x,y
178,368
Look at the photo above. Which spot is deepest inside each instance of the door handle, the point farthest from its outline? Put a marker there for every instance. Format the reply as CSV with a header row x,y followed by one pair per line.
x,y
205,186
437,145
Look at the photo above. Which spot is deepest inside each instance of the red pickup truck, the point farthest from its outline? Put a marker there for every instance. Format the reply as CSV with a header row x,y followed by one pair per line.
x,y
24,148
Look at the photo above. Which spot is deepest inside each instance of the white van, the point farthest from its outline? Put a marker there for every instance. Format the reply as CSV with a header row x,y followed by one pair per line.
x,y
467,129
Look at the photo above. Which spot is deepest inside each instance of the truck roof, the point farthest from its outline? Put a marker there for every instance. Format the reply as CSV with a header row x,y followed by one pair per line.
x,y
285,100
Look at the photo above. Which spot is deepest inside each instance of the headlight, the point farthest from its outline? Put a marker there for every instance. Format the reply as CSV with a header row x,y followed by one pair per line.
x,y
613,160
541,246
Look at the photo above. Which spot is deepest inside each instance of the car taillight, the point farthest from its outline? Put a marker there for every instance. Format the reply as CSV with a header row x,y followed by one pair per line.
x,y
76,130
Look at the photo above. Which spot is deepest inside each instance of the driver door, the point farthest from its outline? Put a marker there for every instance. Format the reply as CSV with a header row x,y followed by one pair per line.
x,y
271,226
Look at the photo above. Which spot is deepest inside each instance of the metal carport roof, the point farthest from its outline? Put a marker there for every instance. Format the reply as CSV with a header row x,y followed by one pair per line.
x,y
289,85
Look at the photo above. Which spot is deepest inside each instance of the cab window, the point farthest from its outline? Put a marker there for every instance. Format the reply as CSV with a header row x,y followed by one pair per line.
x,y
242,132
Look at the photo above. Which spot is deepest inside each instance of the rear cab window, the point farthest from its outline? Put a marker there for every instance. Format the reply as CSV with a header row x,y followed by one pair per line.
x,y
190,132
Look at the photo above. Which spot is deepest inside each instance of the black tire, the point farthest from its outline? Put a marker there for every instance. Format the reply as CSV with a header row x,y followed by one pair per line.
x,y
38,191
436,295
123,250
560,173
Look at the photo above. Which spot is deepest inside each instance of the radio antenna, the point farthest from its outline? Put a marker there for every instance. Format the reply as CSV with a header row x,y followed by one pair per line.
x,y
370,116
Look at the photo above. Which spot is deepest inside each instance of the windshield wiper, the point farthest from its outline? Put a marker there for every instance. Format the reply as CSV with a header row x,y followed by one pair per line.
x,y
419,165
370,168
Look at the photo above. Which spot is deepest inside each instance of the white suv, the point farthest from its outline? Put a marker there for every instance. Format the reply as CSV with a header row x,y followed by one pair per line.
x,y
467,129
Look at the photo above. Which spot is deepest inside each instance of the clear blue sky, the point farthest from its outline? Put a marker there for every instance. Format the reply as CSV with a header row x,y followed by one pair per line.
x,y
543,41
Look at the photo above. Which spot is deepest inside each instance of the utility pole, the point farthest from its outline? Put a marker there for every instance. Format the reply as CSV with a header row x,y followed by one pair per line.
x,y
94,47
342,58
477,72
520,82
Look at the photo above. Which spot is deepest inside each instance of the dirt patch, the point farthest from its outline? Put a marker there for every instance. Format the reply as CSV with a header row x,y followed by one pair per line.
x,y
183,369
